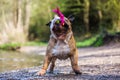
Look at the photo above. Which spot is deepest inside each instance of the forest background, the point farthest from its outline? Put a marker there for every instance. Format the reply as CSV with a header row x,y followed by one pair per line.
x,y
23,22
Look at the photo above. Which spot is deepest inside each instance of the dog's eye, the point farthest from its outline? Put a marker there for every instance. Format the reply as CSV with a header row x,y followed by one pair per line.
x,y
57,22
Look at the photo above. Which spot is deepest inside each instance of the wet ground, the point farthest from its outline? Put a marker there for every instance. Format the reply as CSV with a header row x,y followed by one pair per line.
x,y
13,60
101,63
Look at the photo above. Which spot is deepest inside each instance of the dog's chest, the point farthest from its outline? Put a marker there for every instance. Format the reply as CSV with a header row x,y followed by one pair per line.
x,y
61,50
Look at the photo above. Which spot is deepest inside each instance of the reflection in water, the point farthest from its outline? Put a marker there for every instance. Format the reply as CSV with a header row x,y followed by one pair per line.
x,y
16,60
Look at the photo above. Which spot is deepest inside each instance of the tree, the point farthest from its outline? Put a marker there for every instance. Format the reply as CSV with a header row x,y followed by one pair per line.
x,y
86,14
94,15
41,15
15,18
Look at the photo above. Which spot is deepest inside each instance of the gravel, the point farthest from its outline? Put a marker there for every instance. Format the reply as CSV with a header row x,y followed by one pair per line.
x,y
101,63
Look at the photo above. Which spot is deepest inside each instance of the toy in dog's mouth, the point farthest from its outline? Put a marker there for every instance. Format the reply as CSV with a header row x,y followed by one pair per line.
x,y
59,30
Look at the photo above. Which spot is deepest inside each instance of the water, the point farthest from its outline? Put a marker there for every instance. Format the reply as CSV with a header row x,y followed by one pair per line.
x,y
10,60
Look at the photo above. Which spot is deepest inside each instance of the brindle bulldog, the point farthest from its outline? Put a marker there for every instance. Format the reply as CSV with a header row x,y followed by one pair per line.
x,y
61,45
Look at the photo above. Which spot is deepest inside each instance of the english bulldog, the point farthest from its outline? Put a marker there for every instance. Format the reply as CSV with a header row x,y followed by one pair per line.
x,y
61,45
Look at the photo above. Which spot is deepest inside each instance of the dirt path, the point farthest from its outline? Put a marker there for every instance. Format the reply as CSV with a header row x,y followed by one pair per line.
x,y
101,63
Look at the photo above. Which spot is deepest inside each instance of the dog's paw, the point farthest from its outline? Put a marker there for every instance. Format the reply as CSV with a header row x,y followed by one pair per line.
x,y
77,72
41,72
51,72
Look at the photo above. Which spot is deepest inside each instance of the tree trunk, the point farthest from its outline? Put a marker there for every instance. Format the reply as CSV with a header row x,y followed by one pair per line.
x,y
86,15
15,26
100,19
15,13
19,23
27,17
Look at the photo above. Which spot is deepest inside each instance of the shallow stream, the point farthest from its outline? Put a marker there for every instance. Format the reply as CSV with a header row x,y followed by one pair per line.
x,y
10,60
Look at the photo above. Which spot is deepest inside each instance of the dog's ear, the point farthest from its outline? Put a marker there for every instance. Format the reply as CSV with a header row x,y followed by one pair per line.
x,y
71,18
48,24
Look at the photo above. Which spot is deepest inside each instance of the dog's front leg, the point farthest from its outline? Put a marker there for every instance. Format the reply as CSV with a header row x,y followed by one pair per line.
x,y
47,61
52,65
74,63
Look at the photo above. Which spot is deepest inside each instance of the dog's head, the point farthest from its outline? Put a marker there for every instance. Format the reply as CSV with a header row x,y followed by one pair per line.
x,y
60,31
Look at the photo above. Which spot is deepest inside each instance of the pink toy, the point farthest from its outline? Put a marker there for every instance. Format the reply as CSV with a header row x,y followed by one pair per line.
x,y
59,13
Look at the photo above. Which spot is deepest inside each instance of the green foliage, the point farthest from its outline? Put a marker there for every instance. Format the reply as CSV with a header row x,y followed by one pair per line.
x,y
111,14
91,16
95,41
35,43
15,46
98,42
75,7
41,15
87,42
10,46
101,14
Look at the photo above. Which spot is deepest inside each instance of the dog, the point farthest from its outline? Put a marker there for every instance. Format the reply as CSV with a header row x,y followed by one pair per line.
x,y
61,45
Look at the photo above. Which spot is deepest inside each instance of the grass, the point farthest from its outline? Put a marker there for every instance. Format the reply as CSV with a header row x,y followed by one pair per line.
x,y
10,46
14,46
93,41
87,42
35,43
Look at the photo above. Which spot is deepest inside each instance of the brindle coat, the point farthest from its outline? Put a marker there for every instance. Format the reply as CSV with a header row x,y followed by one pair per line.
x,y
72,53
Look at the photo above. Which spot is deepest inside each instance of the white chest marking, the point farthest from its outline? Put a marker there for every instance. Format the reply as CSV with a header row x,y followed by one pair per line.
x,y
61,50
